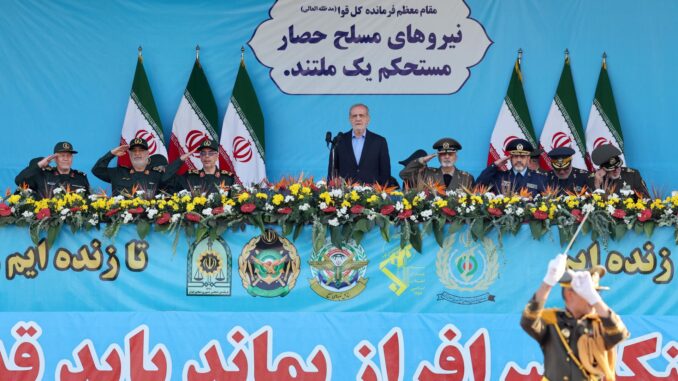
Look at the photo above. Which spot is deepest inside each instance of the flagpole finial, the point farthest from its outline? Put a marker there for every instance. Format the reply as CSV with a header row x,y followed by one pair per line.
x,y
520,54
140,49
605,60
197,52
567,53
242,53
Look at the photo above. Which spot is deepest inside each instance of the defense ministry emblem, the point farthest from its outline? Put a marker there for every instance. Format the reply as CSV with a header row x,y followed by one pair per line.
x,y
209,268
467,267
269,265
339,273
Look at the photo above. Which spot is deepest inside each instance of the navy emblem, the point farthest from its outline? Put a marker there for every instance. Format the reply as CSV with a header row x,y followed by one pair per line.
x,y
339,273
209,268
269,265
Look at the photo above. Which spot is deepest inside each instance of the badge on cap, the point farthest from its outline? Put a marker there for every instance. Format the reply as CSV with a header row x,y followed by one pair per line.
x,y
519,147
446,145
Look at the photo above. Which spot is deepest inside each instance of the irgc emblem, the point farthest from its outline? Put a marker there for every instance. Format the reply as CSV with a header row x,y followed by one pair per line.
x,y
339,272
269,265
209,268
467,266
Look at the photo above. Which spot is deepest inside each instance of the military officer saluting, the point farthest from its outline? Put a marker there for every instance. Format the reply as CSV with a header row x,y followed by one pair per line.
x,y
519,176
564,177
611,176
142,176
209,179
417,171
578,342
43,178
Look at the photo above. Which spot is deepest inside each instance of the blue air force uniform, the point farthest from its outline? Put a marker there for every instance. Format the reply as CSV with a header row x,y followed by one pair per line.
x,y
510,181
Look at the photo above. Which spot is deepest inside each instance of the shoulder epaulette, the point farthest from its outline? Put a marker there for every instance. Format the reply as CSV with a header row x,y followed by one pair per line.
x,y
79,173
225,172
193,172
549,315
629,170
48,168
160,168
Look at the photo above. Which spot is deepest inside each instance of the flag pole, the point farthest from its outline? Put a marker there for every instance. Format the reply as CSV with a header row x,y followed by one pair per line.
x,y
604,60
242,55
520,56
197,52
141,58
567,55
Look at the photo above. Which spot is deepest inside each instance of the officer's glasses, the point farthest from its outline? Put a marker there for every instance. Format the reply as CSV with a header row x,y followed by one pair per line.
x,y
208,153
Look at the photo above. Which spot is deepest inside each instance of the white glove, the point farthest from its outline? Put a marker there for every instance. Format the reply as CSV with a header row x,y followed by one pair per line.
x,y
582,284
556,269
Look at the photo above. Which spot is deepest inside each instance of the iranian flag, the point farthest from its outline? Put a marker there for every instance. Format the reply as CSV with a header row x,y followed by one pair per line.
x,y
195,121
141,117
563,126
514,120
242,133
603,126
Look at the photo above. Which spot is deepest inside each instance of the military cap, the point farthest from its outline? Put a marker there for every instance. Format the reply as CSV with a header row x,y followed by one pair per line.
x,y
64,147
536,153
606,156
210,144
561,157
597,272
415,155
520,147
138,142
447,145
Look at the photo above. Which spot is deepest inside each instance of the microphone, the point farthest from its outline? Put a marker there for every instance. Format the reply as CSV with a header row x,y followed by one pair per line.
x,y
337,138
328,138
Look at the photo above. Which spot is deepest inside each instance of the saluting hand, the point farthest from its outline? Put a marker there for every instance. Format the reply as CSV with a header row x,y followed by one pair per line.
x,y
45,161
187,154
427,158
599,177
120,150
500,162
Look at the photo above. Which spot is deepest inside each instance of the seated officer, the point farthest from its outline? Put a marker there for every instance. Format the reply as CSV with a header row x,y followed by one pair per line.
x,y
564,177
209,179
417,170
516,178
142,176
533,164
40,177
611,176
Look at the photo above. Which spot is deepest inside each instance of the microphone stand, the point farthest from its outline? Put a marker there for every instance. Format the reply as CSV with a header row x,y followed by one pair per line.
x,y
333,146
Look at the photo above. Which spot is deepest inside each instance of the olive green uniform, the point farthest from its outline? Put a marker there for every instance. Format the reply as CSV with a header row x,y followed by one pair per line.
x,y
123,179
197,181
43,180
415,171
628,178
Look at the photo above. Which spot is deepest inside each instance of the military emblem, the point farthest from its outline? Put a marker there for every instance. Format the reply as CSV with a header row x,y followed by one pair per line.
x,y
519,147
209,268
473,267
339,273
269,265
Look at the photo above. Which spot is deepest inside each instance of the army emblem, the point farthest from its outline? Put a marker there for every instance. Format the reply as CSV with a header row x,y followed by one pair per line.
x,y
269,265
338,273
473,268
519,147
209,268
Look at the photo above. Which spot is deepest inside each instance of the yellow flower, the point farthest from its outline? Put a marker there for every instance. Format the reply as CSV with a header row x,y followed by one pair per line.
x,y
261,195
346,204
200,200
306,190
325,196
277,199
406,204
440,203
186,198
657,204
543,207
373,198
354,196
190,206
13,199
476,200
397,193
294,189
242,197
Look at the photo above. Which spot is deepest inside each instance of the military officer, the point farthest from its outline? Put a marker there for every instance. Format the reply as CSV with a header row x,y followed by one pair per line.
x,y
578,341
611,176
518,177
533,164
209,179
448,174
564,176
42,178
142,176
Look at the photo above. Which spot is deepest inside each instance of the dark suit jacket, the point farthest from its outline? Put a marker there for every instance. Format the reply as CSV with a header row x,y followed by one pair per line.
x,y
375,163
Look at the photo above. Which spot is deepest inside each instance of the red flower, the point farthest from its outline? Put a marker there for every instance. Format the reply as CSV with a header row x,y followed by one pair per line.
x,y
163,219
5,210
43,213
112,212
286,210
75,209
449,212
495,212
329,209
247,208
387,209
405,214
193,217
645,215
540,215
137,210
577,215
217,210
619,213
357,209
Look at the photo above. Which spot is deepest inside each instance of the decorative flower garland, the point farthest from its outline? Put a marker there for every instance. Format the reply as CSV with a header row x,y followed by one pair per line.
x,y
347,210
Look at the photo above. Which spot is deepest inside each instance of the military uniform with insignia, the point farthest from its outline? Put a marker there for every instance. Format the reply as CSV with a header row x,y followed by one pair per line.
x,y
512,181
574,349
561,160
43,180
606,156
417,170
197,181
123,180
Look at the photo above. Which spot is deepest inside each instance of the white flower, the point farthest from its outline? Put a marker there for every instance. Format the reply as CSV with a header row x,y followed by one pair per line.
x,y
63,218
151,212
210,197
320,183
399,206
520,211
93,221
57,190
413,218
472,207
587,208
304,207
422,195
336,193
64,211
333,221
289,198
427,213
126,217
383,195
599,191
342,211
80,190
610,209
207,211
228,209
268,207
175,217
322,205
183,192
27,214
371,216
119,198
508,210
140,192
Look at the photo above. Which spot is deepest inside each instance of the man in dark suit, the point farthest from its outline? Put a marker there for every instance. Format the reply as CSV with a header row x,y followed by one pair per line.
x,y
359,154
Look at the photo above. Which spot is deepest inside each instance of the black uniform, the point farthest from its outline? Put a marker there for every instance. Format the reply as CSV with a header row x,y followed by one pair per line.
x,y
43,180
629,178
197,181
573,183
122,179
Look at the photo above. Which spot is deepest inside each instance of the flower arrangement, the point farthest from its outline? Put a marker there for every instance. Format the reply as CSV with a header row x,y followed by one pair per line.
x,y
345,210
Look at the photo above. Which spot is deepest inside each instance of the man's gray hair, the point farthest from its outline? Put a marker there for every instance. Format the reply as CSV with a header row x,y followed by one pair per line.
x,y
358,105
